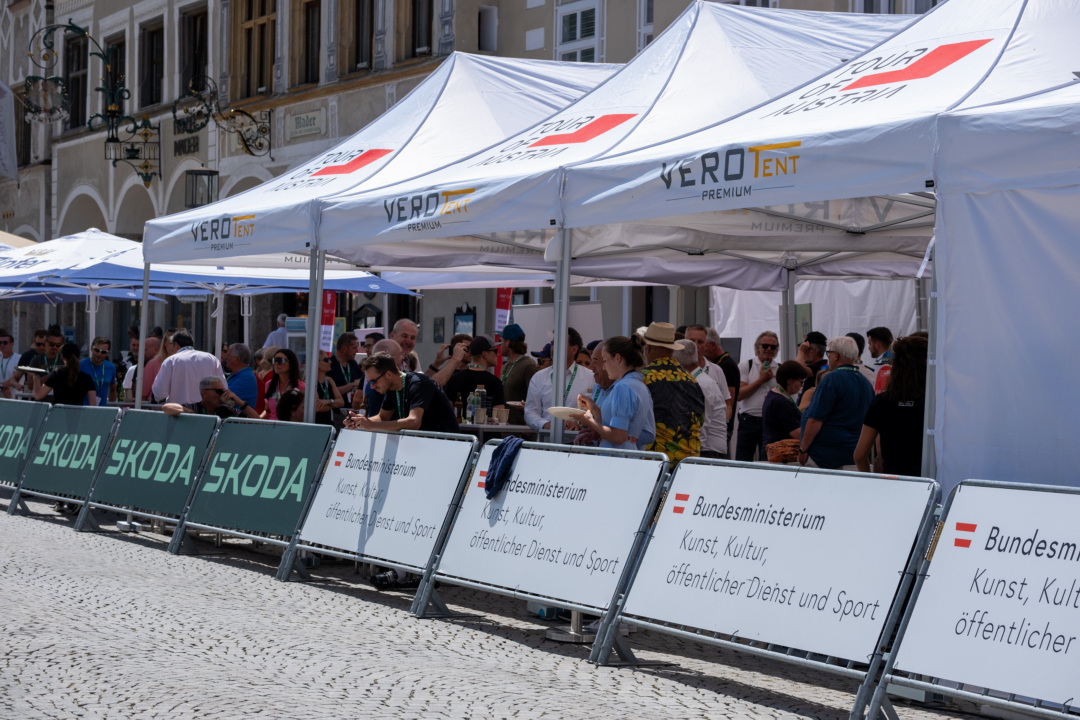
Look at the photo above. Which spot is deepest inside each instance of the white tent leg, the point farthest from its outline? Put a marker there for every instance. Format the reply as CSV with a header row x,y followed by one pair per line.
x,y
929,456
245,312
626,314
788,330
311,368
144,332
219,313
562,324
922,299
91,311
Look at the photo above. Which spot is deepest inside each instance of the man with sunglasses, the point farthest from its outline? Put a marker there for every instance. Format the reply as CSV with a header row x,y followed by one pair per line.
x,y
8,362
101,370
49,359
216,400
411,401
756,380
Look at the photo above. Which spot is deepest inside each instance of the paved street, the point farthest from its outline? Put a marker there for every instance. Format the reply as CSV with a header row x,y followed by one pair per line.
x,y
104,625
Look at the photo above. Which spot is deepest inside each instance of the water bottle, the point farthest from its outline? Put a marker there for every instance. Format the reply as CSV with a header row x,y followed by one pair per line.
x,y
482,399
470,407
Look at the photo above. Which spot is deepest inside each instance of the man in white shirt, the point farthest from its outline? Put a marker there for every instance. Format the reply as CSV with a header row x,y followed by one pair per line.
x,y
279,337
178,379
717,400
757,380
579,381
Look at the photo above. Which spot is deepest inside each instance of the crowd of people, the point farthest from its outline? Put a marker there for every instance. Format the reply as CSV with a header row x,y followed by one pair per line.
x,y
670,390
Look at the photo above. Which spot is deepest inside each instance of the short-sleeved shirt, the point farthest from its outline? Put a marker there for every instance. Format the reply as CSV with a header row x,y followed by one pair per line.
x,y
28,357
465,381
900,425
516,376
64,393
243,384
7,367
420,391
373,398
103,375
627,405
779,416
343,375
678,407
840,403
749,372
814,367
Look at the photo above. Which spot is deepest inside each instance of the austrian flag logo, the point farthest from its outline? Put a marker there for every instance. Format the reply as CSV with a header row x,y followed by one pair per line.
x,y
680,497
964,542
556,136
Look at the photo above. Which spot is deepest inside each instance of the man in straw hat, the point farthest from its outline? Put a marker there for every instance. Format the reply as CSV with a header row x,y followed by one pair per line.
x,y
678,402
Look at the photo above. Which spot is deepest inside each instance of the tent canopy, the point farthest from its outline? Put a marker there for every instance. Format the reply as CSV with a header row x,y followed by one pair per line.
x,y
23,265
516,184
458,109
7,241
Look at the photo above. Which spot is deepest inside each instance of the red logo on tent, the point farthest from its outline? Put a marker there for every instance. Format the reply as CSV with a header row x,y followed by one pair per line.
x,y
595,129
680,497
337,463
933,62
365,158
965,528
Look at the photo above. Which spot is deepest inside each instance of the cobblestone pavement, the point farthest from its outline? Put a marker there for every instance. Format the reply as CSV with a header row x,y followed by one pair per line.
x,y
108,625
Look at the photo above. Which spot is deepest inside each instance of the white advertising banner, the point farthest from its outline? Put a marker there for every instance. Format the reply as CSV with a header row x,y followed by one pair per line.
x,y
1000,607
804,559
561,527
385,495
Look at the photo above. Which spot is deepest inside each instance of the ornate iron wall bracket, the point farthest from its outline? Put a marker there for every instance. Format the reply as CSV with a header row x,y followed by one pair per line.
x,y
199,105
48,100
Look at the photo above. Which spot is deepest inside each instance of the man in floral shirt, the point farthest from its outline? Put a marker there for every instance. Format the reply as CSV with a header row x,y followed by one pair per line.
x,y
678,402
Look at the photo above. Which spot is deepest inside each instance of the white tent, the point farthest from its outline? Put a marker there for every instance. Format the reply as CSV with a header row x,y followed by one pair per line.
x,y
464,105
1008,274
673,86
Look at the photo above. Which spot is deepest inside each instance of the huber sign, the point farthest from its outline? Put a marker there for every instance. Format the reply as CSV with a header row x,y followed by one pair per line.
x,y
153,461
808,560
259,475
1000,606
561,527
386,496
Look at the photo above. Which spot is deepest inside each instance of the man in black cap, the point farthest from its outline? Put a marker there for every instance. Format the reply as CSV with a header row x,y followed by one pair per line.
x,y
517,370
478,373
543,357
812,354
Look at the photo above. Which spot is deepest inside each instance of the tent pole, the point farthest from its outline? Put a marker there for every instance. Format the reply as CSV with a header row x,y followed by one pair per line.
x,y
311,366
91,310
144,332
245,312
787,315
922,290
626,314
929,456
562,324
219,326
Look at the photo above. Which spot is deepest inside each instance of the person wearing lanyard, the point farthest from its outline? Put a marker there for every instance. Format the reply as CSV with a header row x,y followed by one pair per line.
x,y
329,397
101,370
50,360
833,421
624,416
411,401
780,415
541,396
518,369
8,362
343,368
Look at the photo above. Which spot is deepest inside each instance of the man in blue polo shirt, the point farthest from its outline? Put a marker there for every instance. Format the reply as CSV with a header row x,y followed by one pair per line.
x,y
833,421
242,381
103,372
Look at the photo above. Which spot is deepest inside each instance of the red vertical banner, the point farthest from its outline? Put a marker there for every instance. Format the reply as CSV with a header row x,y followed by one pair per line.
x,y
503,299
326,329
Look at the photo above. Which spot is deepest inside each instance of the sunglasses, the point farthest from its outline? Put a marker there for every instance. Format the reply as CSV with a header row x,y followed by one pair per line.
x,y
99,351
768,346
54,345
219,391
280,360
325,359
5,342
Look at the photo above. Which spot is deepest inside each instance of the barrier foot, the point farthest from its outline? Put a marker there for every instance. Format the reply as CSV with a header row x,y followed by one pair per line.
x,y
434,607
182,543
576,634
16,505
86,517
290,564
887,710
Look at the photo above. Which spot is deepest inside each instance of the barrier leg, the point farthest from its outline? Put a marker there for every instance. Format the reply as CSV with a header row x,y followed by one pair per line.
x,y
17,506
181,543
290,562
86,517
881,705
576,633
431,605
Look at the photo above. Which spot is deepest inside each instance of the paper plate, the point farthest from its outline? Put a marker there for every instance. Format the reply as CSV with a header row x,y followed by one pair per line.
x,y
566,413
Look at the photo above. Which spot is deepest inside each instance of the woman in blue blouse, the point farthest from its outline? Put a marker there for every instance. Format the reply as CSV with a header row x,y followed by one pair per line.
x,y
624,417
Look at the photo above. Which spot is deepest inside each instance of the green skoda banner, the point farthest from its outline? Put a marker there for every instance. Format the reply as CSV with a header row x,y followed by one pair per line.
x,y
20,421
154,461
68,451
259,476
